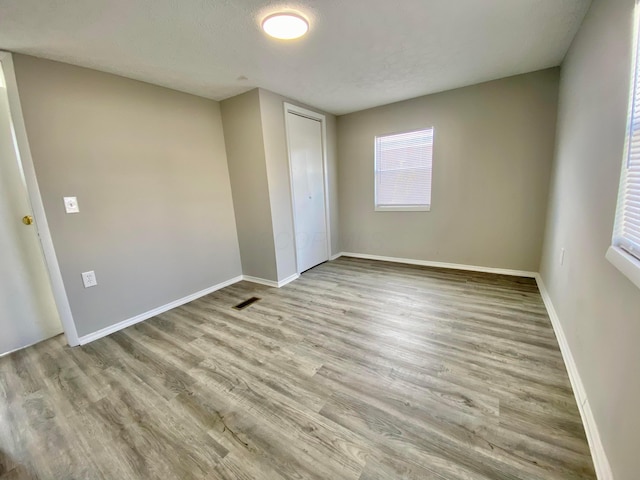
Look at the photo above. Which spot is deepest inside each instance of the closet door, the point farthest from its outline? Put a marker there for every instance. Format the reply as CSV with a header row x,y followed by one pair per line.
x,y
307,178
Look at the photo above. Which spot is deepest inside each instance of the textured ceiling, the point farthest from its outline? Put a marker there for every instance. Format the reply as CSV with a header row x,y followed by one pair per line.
x,y
358,54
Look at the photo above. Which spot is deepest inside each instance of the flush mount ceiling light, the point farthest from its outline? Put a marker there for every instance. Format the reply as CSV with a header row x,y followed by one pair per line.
x,y
285,26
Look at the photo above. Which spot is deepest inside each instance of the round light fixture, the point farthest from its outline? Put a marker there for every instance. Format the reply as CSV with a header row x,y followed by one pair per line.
x,y
285,26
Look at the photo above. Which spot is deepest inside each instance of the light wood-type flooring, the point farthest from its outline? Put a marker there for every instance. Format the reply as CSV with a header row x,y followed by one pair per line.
x,y
358,370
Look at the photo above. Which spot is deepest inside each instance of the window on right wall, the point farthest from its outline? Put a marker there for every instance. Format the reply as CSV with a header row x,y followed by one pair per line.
x,y
624,252
403,166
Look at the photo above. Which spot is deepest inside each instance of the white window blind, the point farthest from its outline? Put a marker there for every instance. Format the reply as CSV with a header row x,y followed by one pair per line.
x,y
627,233
403,167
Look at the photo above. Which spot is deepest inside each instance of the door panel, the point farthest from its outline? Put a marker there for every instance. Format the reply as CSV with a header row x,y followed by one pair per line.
x,y
27,309
307,176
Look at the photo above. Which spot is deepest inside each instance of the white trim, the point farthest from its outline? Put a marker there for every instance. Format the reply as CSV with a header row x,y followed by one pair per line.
x,y
336,256
600,461
260,281
403,208
25,346
156,311
290,108
289,279
400,208
429,263
51,260
619,252
271,283
628,265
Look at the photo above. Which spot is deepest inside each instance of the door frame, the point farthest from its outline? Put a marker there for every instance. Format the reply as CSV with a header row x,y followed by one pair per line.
x,y
303,112
37,207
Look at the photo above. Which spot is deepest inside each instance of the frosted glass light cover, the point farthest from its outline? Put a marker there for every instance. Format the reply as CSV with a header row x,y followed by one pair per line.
x,y
285,26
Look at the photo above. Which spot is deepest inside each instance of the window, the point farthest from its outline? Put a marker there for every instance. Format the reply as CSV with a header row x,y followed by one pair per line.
x,y
403,164
625,250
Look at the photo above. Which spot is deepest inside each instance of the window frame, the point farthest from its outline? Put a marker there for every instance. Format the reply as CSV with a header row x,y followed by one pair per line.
x,y
401,208
627,263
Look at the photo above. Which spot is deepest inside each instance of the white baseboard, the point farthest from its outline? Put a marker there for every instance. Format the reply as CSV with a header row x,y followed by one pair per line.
x,y
333,257
260,281
28,345
152,313
271,283
428,263
600,461
289,279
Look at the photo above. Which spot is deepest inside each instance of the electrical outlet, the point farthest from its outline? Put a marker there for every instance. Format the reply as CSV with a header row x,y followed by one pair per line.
x,y
89,279
562,256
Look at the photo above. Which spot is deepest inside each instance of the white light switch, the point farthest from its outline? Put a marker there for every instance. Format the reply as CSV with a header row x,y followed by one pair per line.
x,y
89,279
71,204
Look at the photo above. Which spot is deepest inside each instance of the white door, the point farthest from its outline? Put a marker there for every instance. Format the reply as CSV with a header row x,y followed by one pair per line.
x,y
307,178
27,309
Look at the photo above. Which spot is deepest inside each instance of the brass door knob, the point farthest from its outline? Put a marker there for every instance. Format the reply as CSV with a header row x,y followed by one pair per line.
x,y
27,219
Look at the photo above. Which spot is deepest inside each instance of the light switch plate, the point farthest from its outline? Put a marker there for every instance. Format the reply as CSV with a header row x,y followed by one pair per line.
x,y
71,205
89,279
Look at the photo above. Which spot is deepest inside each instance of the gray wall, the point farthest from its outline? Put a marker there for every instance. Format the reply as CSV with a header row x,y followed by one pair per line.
x,y
255,136
277,158
598,307
334,194
248,171
492,157
149,168
277,163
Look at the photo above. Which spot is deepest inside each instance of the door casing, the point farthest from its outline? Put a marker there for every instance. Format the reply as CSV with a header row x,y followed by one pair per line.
x,y
44,234
290,108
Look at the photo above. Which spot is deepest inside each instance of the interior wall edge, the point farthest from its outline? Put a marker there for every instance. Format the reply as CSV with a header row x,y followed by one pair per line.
x,y
271,283
429,263
598,454
243,133
91,337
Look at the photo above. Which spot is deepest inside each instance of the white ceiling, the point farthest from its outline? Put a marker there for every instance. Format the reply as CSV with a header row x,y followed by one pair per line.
x,y
358,54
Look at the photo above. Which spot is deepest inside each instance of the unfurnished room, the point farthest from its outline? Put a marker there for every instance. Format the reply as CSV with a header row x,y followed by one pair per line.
x,y
320,240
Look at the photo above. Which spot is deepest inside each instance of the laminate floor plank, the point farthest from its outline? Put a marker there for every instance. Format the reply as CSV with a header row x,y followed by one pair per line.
x,y
358,370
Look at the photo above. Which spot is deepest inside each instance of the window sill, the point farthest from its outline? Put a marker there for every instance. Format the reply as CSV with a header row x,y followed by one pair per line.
x,y
406,208
626,263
